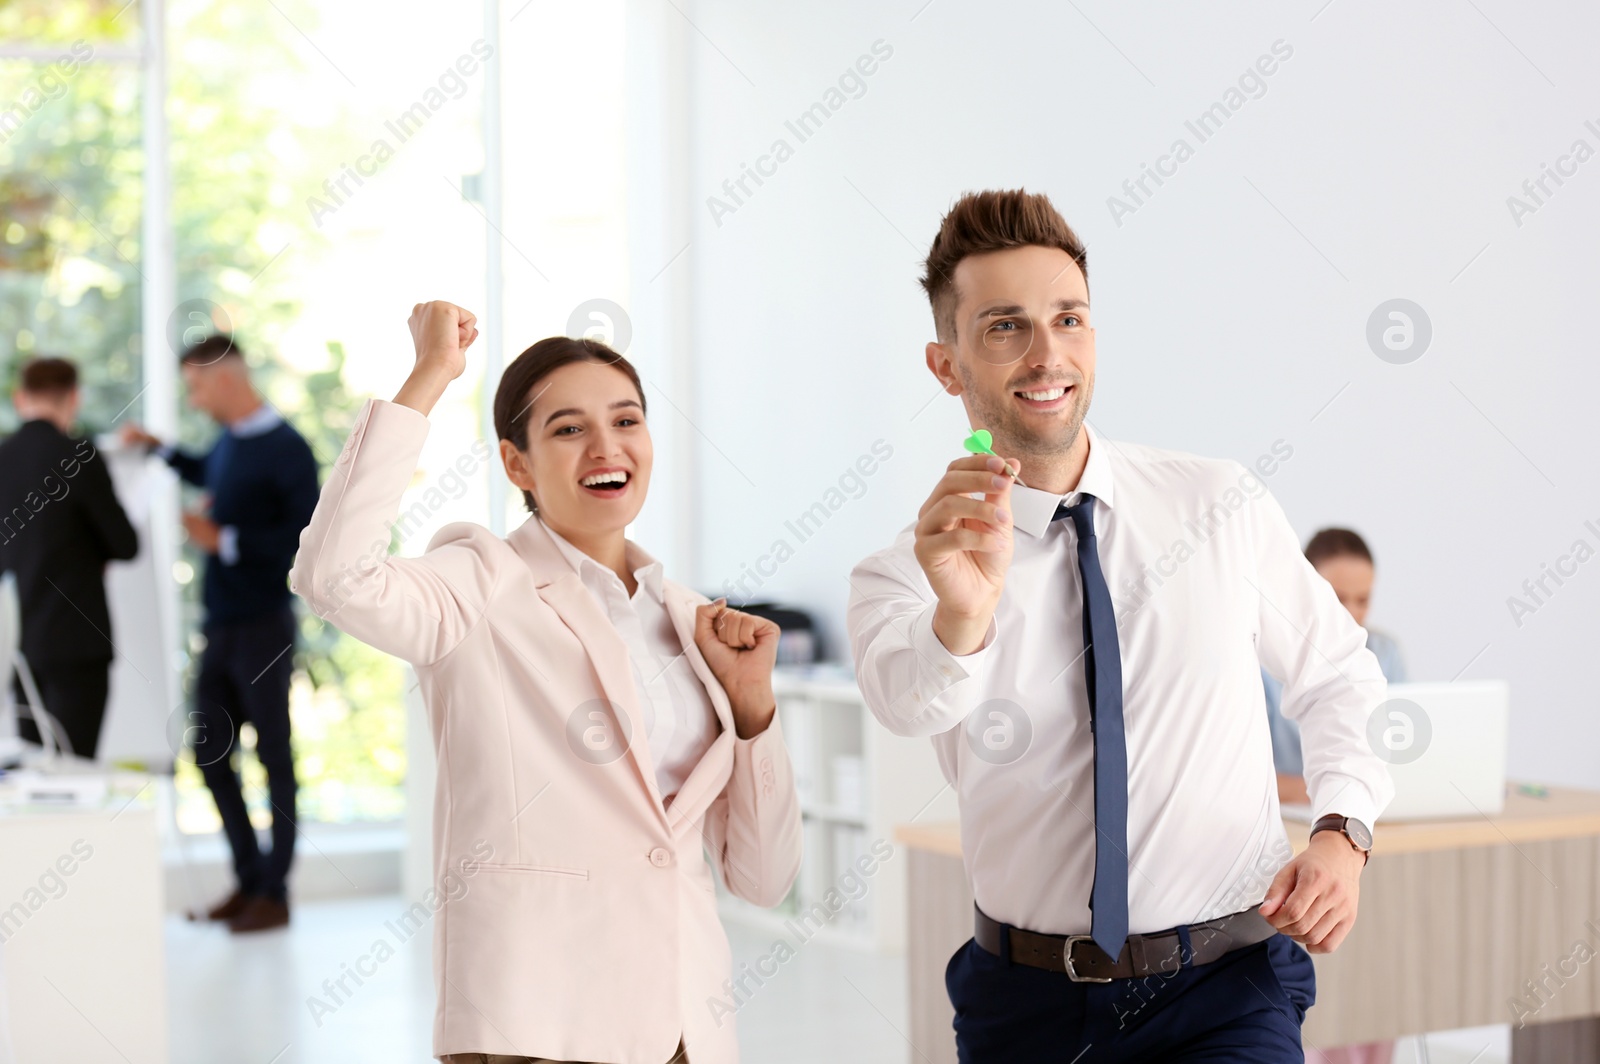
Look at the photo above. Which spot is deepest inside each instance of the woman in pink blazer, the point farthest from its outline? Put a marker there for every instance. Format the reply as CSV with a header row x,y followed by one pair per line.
x,y
598,727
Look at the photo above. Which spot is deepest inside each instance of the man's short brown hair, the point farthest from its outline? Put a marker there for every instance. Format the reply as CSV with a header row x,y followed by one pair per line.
x,y
210,350
48,377
992,221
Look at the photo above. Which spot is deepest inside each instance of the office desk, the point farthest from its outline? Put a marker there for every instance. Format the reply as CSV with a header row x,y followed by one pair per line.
x,y
80,928
1457,917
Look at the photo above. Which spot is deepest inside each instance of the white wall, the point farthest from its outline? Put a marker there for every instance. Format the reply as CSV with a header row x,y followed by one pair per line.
x,y
1231,307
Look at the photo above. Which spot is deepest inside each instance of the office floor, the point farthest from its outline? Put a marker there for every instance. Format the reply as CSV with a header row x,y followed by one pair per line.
x,y
261,1000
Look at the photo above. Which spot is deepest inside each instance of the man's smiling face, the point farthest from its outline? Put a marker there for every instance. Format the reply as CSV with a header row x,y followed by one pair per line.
x,y
1020,348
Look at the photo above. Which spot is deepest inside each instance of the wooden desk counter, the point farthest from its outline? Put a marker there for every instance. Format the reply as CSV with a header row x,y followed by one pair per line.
x,y
1463,923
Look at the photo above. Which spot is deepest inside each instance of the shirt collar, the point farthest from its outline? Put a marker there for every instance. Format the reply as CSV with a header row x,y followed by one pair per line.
x,y
1032,510
646,569
260,420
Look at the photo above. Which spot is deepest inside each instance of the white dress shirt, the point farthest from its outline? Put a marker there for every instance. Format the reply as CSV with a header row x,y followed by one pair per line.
x,y
1208,584
679,720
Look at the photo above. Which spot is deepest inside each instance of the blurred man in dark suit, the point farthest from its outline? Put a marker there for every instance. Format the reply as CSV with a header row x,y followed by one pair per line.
x,y
262,480
60,522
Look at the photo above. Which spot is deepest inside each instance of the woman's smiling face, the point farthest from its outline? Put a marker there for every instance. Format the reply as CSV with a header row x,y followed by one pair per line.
x,y
589,452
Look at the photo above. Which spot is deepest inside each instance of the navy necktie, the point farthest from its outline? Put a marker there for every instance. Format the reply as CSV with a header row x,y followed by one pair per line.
x,y
1102,668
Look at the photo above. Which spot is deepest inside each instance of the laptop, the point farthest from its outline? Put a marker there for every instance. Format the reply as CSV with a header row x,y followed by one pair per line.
x,y
1446,748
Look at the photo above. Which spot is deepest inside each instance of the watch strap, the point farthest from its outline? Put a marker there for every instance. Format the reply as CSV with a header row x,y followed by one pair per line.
x,y
1335,822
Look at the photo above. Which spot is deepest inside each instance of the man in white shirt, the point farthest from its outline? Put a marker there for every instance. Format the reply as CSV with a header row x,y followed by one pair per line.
x,y
1084,648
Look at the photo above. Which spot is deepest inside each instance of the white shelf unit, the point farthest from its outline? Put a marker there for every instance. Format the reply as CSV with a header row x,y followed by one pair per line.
x,y
857,782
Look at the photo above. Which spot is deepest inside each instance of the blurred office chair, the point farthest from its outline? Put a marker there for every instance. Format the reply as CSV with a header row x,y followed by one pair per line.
x,y
11,660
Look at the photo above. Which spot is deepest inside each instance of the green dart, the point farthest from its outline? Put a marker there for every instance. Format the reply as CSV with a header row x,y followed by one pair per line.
x,y
979,443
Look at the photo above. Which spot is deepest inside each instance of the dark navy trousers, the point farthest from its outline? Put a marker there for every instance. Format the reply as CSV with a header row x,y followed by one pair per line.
x,y
1243,1008
244,678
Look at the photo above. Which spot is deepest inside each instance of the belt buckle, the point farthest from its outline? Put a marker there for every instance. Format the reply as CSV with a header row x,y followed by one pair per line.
x,y
1066,957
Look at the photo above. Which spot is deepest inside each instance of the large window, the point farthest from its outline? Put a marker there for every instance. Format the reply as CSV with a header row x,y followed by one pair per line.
x,y
71,196
297,229
287,231
323,173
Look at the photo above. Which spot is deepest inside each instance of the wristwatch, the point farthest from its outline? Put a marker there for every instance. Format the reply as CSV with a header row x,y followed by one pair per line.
x,y
1359,834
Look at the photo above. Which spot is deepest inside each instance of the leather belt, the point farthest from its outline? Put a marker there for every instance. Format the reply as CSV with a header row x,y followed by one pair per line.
x,y
1158,953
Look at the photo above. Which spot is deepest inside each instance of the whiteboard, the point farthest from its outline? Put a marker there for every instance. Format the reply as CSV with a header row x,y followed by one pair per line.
x,y
142,595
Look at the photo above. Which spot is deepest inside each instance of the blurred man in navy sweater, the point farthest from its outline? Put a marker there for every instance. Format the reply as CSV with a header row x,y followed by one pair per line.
x,y
262,481
60,523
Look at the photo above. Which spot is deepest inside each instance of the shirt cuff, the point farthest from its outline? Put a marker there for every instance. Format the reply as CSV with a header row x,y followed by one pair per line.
x,y
1346,797
952,668
228,544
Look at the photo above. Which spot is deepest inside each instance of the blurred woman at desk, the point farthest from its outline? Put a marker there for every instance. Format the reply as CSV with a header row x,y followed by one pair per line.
x,y
597,725
1342,558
